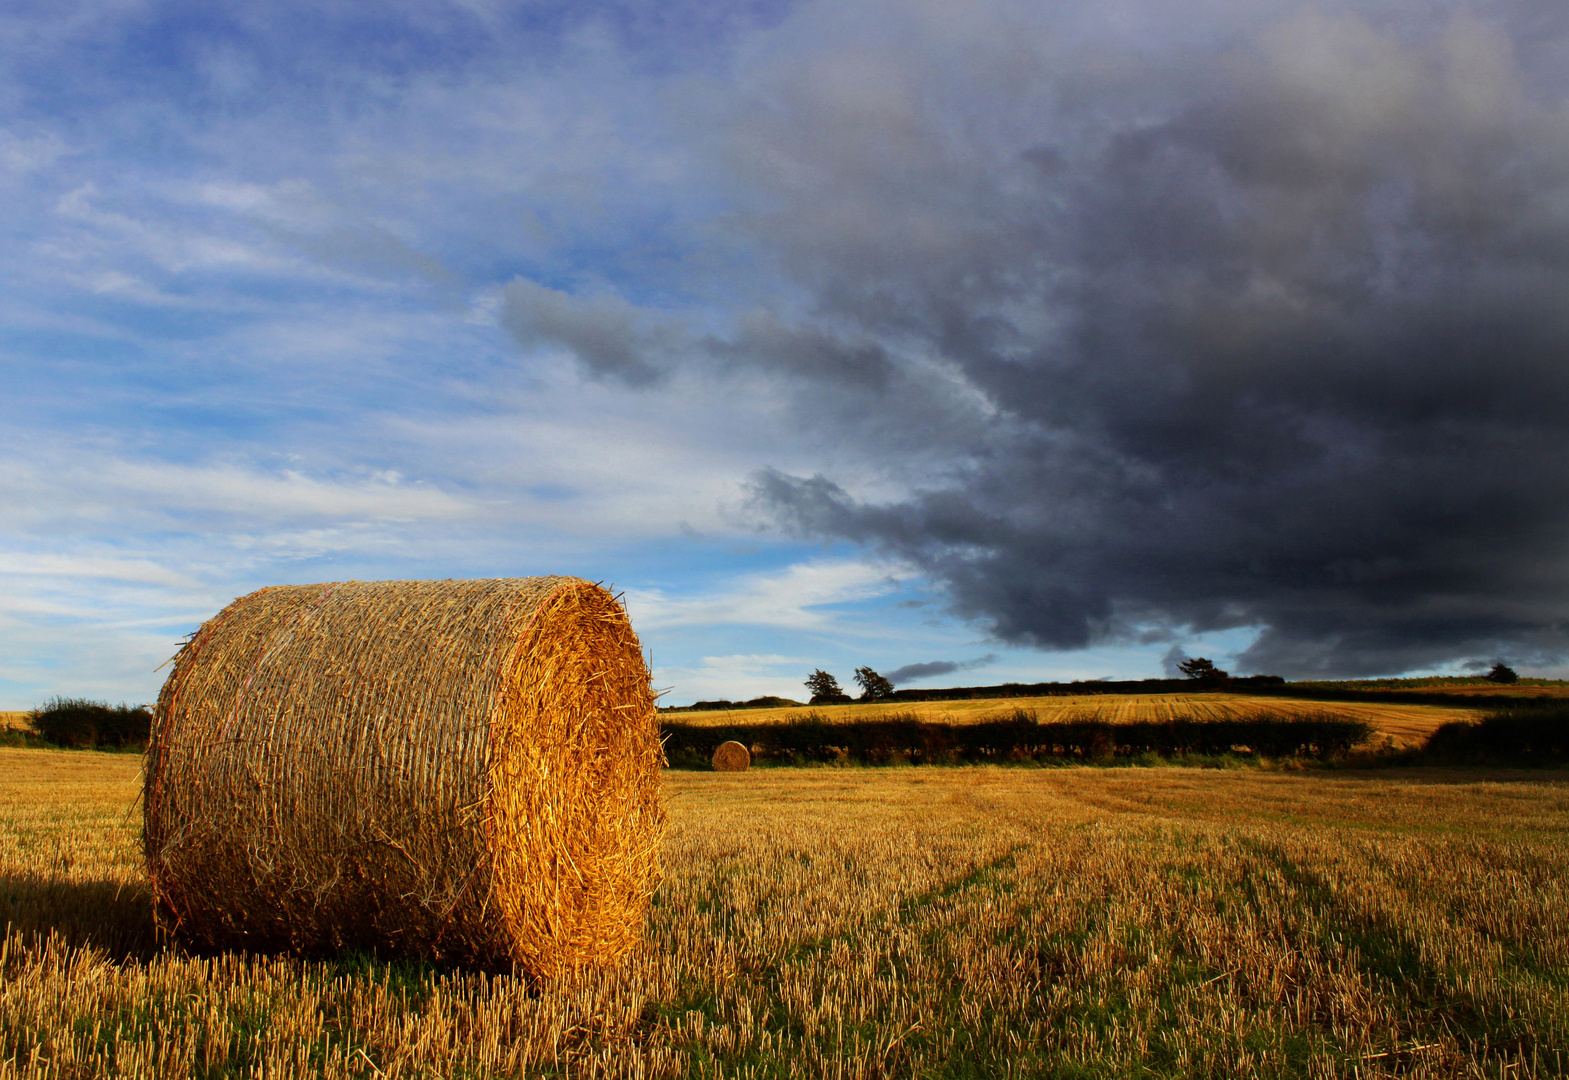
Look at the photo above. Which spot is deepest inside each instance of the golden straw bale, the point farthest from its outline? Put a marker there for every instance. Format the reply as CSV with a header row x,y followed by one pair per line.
x,y
461,771
732,757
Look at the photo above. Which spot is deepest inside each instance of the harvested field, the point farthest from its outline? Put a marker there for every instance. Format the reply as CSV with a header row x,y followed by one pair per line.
x,y
13,720
1407,725
871,923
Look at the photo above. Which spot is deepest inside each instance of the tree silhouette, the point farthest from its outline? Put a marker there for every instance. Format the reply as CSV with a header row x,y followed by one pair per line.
x,y
825,689
1202,670
1502,673
873,686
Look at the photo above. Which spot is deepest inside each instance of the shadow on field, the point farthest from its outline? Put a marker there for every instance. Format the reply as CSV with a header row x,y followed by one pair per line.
x,y
111,917
1447,775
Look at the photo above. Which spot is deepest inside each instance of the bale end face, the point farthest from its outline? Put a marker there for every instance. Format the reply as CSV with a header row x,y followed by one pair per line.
x,y
732,757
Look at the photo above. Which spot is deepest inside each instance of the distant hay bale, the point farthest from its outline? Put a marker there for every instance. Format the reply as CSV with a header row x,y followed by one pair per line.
x,y
461,771
732,757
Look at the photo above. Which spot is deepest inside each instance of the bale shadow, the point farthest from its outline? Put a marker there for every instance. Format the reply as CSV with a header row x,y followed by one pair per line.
x,y
111,917
114,919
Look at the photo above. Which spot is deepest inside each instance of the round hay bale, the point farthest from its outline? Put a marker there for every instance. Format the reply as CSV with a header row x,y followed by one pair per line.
x,y
461,771
732,757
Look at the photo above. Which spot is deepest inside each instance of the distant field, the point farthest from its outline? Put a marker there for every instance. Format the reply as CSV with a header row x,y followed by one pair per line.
x,y
1407,725
1539,689
877,923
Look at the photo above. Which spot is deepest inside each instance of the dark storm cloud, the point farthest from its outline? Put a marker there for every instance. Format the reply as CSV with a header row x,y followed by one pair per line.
x,y
1276,336
1169,662
1208,319
608,337
911,672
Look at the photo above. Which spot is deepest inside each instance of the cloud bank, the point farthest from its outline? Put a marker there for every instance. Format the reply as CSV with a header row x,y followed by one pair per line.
x,y
1257,321
831,331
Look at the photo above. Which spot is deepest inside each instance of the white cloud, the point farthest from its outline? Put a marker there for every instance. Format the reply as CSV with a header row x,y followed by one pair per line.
x,y
26,153
719,677
791,599
141,571
89,486
241,491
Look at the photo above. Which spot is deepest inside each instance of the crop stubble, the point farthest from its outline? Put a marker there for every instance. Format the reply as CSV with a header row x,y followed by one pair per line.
x,y
906,922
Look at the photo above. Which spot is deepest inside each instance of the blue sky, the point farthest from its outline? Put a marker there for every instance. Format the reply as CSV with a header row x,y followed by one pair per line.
x,y
298,293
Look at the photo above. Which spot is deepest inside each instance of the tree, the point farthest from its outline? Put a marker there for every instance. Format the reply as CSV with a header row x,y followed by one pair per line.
x,y
1502,673
873,686
1202,670
825,689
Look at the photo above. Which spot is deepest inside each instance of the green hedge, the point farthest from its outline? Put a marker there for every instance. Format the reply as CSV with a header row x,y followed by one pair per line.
x,y
1536,735
812,738
78,722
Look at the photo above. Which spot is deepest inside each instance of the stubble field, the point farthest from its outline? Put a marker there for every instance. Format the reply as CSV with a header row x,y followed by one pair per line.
x,y
866,923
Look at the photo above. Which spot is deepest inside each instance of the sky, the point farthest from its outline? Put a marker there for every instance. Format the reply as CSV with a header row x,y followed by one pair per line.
x,y
974,342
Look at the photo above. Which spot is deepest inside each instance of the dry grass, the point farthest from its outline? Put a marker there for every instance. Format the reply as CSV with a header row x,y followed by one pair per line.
x,y
868,923
1407,725
14,721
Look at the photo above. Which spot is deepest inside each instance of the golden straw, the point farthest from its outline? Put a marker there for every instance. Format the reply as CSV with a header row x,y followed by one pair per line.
x,y
461,771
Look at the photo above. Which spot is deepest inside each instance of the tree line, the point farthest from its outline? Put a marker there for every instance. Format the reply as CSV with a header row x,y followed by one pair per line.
x,y
826,690
874,687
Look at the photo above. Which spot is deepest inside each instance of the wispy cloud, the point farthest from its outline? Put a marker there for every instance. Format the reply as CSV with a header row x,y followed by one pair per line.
x,y
141,571
795,598
718,678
